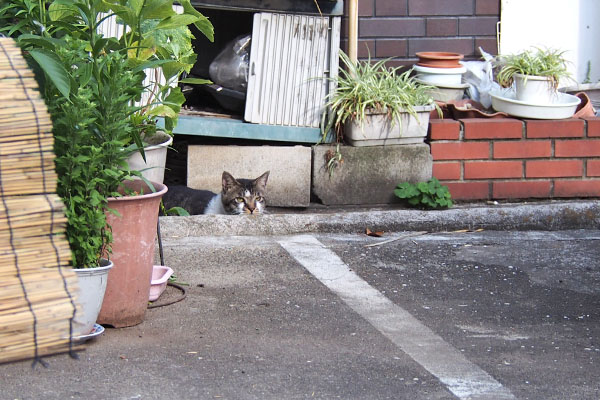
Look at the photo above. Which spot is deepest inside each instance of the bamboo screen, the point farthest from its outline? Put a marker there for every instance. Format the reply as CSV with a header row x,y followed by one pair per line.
x,y
37,289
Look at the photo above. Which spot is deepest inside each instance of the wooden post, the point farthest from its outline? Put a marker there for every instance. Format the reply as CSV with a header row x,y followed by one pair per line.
x,y
353,29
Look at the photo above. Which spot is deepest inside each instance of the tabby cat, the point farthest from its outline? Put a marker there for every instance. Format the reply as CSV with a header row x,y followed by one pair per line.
x,y
239,196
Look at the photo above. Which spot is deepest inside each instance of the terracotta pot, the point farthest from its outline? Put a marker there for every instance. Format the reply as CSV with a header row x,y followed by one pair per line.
x,y
134,231
439,59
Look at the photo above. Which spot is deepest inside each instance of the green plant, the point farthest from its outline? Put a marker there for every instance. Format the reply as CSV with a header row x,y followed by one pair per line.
x,y
90,126
537,61
430,194
333,159
91,83
364,86
159,37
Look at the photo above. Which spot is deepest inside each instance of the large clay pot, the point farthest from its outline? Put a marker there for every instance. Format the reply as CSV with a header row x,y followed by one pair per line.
x,y
134,232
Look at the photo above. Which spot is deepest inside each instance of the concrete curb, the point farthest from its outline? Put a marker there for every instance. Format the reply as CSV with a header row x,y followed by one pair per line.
x,y
529,216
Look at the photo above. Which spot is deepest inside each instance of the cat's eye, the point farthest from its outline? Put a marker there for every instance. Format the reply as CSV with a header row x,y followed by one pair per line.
x,y
259,198
239,199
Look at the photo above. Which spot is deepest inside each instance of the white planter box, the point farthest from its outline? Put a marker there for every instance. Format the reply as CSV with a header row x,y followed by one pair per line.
x,y
377,129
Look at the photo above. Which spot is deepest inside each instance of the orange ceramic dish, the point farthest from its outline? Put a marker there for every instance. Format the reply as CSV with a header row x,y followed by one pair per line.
x,y
439,59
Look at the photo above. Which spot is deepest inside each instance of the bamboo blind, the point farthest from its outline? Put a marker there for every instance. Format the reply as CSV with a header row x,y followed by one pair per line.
x,y
37,289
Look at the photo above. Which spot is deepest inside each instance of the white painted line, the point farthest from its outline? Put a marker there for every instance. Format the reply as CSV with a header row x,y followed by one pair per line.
x,y
463,378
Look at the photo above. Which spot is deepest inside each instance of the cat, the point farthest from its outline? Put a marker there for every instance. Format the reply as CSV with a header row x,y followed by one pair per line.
x,y
239,196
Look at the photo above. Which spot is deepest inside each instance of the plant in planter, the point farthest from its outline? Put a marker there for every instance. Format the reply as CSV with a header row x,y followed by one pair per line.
x,y
90,83
90,125
161,43
535,74
375,105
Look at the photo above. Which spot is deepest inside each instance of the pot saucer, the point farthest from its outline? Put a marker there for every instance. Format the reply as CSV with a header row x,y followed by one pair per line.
x,y
97,330
564,106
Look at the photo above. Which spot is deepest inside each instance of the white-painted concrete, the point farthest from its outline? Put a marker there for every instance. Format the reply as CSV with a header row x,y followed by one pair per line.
x,y
573,26
463,378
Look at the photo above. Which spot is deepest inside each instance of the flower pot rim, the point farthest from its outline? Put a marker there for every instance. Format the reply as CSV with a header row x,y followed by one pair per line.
x,y
419,108
532,77
440,55
166,143
161,189
104,265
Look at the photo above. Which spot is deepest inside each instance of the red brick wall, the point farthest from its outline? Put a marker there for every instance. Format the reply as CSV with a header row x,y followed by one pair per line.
x,y
485,159
400,28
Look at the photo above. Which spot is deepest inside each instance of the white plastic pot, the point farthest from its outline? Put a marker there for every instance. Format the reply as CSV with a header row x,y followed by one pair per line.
x,y
92,286
533,89
440,76
156,158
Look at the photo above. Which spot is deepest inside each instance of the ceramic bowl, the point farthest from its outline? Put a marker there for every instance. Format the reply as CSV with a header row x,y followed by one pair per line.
x,y
440,76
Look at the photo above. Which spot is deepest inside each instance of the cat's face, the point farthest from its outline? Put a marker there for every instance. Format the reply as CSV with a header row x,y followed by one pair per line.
x,y
244,196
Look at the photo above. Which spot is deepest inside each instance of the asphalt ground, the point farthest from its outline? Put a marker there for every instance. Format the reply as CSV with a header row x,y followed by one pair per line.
x,y
447,313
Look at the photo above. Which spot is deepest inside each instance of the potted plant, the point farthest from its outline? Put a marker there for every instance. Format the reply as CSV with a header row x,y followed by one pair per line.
x,y
90,124
91,83
535,74
163,46
375,105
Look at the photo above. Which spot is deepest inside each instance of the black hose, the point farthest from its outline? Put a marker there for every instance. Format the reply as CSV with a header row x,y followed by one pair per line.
x,y
168,303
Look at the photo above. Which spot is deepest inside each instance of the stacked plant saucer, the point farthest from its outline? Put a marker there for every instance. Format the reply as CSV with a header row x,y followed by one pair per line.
x,y
444,71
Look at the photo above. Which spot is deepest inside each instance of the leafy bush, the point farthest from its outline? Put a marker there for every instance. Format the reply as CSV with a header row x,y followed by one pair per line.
x,y
430,194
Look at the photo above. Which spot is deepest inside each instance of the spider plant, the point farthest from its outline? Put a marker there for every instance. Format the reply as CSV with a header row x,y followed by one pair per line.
x,y
549,63
364,87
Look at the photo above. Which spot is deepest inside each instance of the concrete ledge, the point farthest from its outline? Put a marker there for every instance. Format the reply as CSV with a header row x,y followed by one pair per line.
x,y
537,216
368,175
289,180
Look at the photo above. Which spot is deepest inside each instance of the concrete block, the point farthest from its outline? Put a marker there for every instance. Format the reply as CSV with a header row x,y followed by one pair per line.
x,y
368,175
289,180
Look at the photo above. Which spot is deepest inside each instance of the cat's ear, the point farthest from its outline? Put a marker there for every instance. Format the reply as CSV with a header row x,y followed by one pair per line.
x,y
228,181
261,181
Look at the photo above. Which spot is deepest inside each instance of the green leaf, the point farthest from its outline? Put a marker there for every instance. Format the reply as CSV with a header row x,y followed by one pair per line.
x,y
196,81
52,67
177,211
157,9
162,111
176,21
203,24
59,9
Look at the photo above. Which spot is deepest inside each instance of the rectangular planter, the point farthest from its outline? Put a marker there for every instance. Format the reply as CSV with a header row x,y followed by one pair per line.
x,y
377,129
